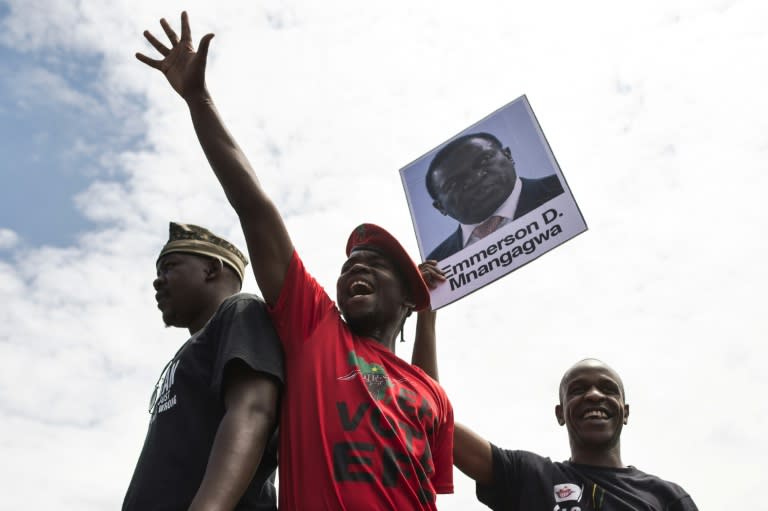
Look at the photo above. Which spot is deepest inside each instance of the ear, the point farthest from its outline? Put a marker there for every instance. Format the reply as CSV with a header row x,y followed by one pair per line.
x,y
439,206
626,413
214,268
508,154
559,415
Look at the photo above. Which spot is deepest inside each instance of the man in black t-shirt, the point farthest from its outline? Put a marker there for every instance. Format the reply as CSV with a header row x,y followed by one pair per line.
x,y
213,411
593,410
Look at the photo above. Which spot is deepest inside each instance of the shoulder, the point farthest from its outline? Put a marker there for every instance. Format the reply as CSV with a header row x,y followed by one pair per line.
x,y
240,313
419,386
655,484
241,302
519,459
548,185
424,380
515,469
448,246
647,488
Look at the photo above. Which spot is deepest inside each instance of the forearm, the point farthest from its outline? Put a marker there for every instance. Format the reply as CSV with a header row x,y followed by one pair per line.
x,y
425,346
472,454
235,456
225,157
265,234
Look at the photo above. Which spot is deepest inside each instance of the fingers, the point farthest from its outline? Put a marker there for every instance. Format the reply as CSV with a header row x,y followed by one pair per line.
x,y
148,61
169,32
202,48
186,36
186,33
433,280
431,274
430,266
164,51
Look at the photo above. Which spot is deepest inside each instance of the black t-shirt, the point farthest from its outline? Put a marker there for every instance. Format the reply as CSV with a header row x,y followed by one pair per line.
x,y
524,481
190,405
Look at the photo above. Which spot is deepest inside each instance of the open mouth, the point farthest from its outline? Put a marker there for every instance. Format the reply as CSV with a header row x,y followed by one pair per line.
x,y
595,414
360,288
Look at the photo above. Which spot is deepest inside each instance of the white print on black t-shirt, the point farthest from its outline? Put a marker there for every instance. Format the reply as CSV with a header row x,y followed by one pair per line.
x,y
166,401
565,493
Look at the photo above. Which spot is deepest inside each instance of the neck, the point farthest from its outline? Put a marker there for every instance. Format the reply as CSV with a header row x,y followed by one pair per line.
x,y
609,458
384,336
207,311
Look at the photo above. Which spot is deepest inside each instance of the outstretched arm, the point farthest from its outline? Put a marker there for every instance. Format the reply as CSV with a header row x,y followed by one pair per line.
x,y
425,346
250,400
472,454
268,241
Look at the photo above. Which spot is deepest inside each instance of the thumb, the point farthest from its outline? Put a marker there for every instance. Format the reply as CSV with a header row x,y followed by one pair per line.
x,y
202,48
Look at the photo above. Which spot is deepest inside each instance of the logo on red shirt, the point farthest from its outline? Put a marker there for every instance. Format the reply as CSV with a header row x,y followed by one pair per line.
x,y
374,376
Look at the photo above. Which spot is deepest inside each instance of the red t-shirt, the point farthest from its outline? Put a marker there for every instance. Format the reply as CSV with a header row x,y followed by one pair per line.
x,y
361,429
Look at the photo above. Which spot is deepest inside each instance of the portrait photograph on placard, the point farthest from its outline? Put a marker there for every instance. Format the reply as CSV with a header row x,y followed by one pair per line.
x,y
489,200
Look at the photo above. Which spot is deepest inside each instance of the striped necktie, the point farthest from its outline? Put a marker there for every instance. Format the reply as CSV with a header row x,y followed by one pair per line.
x,y
484,229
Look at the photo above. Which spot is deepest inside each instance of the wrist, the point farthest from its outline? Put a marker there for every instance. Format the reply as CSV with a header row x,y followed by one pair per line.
x,y
198,97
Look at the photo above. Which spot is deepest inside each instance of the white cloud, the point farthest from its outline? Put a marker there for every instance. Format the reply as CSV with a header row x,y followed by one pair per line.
x,y
8,239
37,85
653,111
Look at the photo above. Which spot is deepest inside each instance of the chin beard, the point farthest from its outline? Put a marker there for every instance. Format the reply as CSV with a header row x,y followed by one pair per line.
x,y
168,321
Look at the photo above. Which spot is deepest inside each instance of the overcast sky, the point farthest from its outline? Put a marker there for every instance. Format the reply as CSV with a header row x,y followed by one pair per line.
x,y
656,112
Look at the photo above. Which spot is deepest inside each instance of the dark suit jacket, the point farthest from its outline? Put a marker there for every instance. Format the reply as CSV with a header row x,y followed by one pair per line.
x,y
533,193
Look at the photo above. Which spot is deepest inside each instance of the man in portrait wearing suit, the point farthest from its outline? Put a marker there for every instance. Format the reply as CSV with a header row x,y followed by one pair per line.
x,y
473,180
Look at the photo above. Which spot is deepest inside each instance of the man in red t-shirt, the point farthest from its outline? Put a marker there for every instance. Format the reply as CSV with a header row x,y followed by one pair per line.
x,y
360,428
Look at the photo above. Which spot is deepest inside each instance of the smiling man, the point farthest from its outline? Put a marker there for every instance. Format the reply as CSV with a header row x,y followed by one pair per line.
x,y
593,410
360,428
592,407
214,407
473,180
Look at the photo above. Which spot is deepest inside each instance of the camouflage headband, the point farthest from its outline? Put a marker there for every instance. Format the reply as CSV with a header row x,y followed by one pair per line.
x,y
193,239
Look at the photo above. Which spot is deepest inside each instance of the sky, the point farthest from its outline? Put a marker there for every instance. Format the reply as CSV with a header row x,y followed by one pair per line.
x,y
655,112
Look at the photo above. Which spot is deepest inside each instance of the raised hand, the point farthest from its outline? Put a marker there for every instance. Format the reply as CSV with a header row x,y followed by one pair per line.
x,y
424,348
431,274
181,64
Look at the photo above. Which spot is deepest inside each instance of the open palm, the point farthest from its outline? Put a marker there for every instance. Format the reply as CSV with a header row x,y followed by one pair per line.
x,y
181,64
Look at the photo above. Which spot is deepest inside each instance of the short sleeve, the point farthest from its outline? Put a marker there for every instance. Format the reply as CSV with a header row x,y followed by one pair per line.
x,y
442,480
301,306
243,331
498,494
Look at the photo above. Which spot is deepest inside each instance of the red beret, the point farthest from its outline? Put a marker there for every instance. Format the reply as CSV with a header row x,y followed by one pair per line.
x,y
373,237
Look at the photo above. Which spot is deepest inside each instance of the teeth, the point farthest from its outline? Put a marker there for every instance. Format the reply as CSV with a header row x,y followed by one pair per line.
x,y
360,287
595,414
